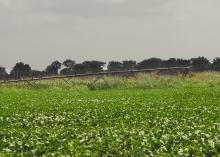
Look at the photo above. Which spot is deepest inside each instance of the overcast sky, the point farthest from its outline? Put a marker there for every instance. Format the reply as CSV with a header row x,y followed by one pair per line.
x,y
40,31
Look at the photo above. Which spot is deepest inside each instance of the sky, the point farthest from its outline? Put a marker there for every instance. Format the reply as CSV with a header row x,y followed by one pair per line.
x,y
38,32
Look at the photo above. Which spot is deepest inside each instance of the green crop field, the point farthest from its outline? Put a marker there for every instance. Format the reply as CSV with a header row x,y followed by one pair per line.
x,y
146,115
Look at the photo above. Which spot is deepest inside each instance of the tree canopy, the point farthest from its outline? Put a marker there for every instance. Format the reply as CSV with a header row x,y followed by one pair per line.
x,y
53,68
20,70
70,67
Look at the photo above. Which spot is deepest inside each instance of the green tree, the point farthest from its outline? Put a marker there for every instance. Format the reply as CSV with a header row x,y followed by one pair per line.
x,y
69,63
53,68
129,64
200,64
69,67
80,69
115,66
20,70
150,63
93,66
3,73
216,64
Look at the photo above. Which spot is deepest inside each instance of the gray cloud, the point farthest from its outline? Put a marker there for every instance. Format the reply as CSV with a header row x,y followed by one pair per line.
x,y
87,8
39,31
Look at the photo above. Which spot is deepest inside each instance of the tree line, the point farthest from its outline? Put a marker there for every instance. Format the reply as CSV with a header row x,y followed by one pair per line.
x,y
70,67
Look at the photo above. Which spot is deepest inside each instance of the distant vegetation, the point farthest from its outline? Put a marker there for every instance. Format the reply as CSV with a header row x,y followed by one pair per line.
x,y
70,67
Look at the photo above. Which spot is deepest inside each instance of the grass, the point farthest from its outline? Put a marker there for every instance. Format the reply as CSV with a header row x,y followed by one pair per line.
x,y
142,116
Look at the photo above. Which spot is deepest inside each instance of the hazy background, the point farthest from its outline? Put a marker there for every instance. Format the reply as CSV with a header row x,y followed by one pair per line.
x,y
41,31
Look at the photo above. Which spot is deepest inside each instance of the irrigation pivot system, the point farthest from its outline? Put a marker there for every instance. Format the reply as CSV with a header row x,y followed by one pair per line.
x,y
172,71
